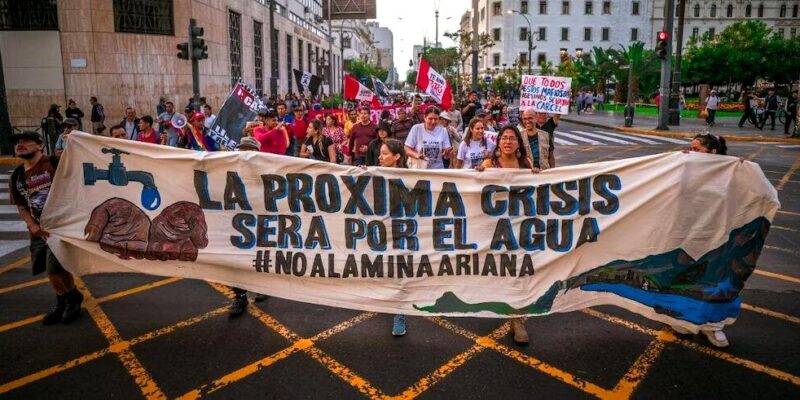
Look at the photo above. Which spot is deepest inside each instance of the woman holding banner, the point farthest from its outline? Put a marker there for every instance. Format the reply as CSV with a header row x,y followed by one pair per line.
x,y
511,154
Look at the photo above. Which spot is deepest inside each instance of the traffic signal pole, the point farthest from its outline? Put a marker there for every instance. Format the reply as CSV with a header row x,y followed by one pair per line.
x,y
663,109
675,97
195,65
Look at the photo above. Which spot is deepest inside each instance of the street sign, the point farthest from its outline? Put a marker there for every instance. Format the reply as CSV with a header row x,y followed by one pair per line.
x,y
487,79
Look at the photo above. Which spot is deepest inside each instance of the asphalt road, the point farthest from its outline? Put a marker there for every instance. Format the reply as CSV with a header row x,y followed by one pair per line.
x,y
155,337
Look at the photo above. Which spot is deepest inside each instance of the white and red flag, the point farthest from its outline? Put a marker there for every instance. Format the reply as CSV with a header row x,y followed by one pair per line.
x,y
434,84
354,90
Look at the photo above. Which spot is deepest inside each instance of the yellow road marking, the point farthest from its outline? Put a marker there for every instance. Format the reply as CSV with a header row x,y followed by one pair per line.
x,y
756,153
135,368
22,322
639,370
23,285
345,373
440,373
788,174
16,264
771,313
782,277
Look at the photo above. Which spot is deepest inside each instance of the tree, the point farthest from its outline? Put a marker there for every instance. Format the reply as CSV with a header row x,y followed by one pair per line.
x,y
360,69
411,78
546,68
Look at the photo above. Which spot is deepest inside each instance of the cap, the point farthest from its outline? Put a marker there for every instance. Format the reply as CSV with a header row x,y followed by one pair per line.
x,y
249,143
31,135
196,116
445,115
70,122
481,113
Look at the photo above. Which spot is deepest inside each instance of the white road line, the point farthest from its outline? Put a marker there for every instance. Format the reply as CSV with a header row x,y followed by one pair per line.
x,y
9,246
629,137
5,177
564,142
4,196
790,146
604,137
13,226
664,138
8,209
580,139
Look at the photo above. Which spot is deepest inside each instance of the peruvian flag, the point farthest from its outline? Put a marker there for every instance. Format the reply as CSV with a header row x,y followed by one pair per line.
x,y
434,84
354,90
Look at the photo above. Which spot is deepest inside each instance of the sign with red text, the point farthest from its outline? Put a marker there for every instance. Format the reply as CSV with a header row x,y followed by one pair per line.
x,y
547,94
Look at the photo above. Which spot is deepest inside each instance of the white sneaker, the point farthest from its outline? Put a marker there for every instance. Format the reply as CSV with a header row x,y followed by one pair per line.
x,y
681,330
716,337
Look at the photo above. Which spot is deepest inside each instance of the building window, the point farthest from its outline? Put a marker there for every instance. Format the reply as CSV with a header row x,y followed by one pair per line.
x,y
587,34
793,32
37,15
588,8
483,13
309,52
711,32
290,73
497,8
634,34
760,11
729,11
347,42
496,34
606,7
258,54
713,12
235,45
541,58
523,34
695,32
153,17
697,10
635,8
564,34
606,33
782,12
565,8
523,59
523,7
748,11
794,10
543,7
274,74
496,59
300,56
542,34
781,32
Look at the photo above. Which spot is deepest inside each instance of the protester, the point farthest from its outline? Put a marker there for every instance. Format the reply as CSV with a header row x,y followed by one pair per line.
x,y
130,123
374,148
98,116
429,140
503,119
361,134
475,148
316,145
118,132
791,114
193,135
74,112
55,113
297,131
333,131
352,119
772,102
749,114
272,136
402,125
30,185
712,103
456,137
146,132
456,120
470,107
540,129
283,115
417,110
165,124
601,101
210,117
161,106
386,118
67,127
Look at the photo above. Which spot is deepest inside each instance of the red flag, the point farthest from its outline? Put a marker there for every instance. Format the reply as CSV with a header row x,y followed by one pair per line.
x,y
434,84
354,90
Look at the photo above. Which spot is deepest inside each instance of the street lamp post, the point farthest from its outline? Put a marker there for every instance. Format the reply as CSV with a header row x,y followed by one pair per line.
x,y
530,37
630,107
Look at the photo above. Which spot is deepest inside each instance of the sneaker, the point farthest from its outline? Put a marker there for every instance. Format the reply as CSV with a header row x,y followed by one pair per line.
x,y
73,307
238,305
399,325
260,297
716,337
681,330
519,330
54,317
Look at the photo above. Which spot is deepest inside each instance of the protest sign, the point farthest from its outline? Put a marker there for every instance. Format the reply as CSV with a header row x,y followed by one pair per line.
x,y
374,113
240,107
546,94
672,236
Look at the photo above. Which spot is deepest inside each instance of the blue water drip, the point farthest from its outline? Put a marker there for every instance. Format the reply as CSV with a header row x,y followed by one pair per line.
x,y
151,199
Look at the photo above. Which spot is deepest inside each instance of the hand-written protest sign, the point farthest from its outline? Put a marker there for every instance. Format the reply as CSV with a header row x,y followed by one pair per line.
x,y
493,244
547,94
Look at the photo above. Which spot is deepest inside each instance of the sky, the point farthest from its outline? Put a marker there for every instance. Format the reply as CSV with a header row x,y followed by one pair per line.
x,y
412,20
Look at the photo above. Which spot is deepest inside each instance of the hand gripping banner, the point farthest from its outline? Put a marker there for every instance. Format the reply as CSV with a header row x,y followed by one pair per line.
x,y
672,236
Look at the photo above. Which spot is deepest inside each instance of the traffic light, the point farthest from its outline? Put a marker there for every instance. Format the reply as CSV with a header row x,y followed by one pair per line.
x,y
662,44
199,47
184,51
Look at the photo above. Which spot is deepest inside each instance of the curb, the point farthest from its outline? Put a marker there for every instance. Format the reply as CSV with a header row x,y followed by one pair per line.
x,y
7,160
683,135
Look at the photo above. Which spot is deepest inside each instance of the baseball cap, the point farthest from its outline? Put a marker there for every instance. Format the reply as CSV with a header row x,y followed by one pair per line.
x,y
31,135
481,113
249,143
196,116
70,122
445,115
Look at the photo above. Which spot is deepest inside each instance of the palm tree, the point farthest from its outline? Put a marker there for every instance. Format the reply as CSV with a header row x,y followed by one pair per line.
x,y
641,63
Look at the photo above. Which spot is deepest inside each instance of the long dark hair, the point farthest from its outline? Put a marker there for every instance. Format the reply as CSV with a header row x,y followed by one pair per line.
x,y
333,117
714,144
522,154
397,147
471,125
317,128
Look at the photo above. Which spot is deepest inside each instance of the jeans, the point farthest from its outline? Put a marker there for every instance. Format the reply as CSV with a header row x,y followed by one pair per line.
x,y
172,141
711,115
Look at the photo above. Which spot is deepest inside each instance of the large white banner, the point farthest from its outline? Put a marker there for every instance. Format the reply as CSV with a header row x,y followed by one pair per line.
x,y
670,236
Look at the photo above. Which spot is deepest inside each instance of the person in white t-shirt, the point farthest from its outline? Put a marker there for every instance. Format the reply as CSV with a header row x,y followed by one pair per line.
x,y
475,148
209,116
429,140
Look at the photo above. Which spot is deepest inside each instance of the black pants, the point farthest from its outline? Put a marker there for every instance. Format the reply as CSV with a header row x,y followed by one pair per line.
x,y
711,115
789,119
768,114
748,115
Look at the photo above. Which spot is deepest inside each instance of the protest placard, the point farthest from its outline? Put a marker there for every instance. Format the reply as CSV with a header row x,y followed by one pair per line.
x,y
547,94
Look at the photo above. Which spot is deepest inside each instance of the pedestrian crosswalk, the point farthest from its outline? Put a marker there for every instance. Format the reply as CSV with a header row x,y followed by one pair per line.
x,y
13,232
590,137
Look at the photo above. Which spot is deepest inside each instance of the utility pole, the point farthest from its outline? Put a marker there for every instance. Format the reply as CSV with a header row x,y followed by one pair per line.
x,y
330,52
663,110
436,43
675,96
474,44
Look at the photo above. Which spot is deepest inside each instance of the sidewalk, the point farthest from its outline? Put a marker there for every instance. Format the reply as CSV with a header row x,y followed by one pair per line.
x,y
689,127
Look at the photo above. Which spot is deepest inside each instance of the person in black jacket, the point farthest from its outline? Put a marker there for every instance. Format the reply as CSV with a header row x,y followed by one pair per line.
x,y
791,114
131,124
749,114
74,112
771,104
374,147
